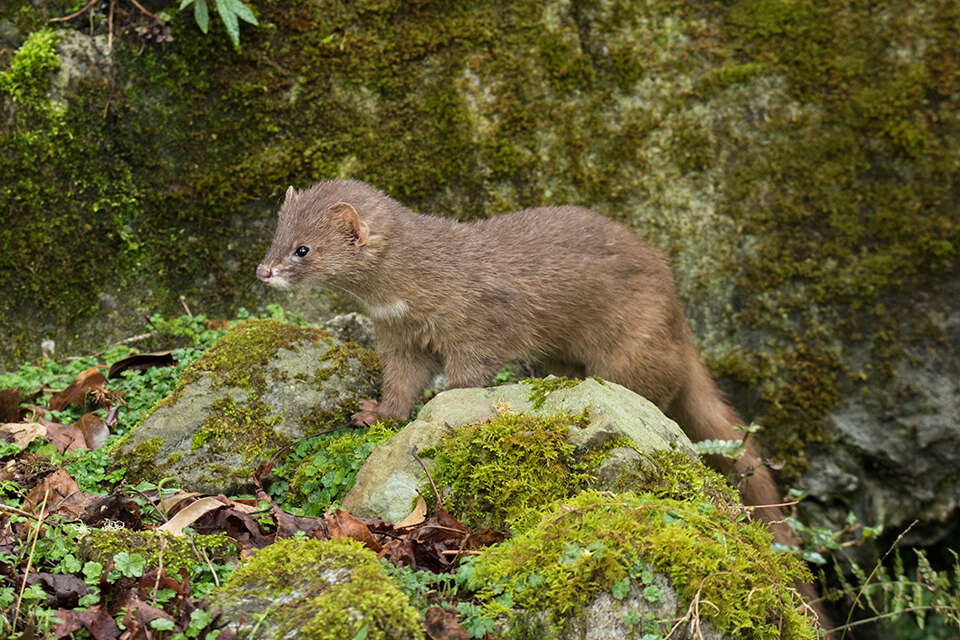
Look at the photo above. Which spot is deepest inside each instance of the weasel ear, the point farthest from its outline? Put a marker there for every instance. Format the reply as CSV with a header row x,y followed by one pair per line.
x,y
357,227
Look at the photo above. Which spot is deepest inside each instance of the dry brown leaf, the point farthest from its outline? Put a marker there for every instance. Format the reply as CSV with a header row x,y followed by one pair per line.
x,y
170,503
65,437
418,515
189,515
63,495
22,433
95,431
343,525
9,405
90,380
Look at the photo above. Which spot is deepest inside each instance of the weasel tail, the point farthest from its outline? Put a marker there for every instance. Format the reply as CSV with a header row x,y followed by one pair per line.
x,y
701,410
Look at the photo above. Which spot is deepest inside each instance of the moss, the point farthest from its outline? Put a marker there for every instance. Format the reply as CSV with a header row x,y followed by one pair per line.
x,y
540,388
246,429
240,357
499,472
341,355
583,545
178,552
142,461
332,589
677,476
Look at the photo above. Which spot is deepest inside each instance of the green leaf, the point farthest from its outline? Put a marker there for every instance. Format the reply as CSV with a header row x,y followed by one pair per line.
x,y
243,12
131,565
202,15
161,624
652,593
621,588
229,18
362,634
184,4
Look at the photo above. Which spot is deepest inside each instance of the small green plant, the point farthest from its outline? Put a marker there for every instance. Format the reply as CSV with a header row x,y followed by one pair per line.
x,y
231,12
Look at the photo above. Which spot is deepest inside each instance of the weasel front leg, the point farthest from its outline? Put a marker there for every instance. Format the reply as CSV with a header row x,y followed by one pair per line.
x,y
405,374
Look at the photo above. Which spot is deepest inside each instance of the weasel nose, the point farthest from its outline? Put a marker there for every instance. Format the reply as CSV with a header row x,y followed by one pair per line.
x,y
264,273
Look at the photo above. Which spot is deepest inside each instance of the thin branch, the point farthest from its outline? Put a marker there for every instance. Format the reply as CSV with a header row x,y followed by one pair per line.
x,y
74,14
26,572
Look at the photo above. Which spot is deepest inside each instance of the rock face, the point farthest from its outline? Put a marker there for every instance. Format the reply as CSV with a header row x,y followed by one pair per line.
x,y
315,590
387,482
264,385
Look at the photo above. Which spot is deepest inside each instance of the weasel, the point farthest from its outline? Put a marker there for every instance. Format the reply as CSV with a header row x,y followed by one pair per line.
x,y
566,286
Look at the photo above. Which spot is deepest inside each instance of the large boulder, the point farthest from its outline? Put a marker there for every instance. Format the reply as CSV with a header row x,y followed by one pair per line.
x,y
597,415
261,387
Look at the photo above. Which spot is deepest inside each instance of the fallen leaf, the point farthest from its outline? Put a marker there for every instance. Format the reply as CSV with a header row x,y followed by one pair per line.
x,y
187,516
95,431
63,591
418,515
10,405
169,504
441,624
113,508
63,496
341,524
91,380
140,362
65,437
97,620
22,433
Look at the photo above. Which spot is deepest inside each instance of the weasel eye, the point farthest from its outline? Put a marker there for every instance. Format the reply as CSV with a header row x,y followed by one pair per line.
x,y
302,251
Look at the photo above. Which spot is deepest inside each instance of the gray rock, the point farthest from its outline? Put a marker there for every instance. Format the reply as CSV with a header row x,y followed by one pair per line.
x,y
264,385
387,482
354,327
81,56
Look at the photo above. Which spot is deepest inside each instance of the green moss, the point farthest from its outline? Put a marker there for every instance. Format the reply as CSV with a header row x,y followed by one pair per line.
x,y
583,545
540,388
28,78
240,357
677,476
332,589
142,461
499,472
247,429
175,552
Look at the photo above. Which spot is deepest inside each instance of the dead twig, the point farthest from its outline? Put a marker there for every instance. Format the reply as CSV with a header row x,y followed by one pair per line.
x,y
75,13
26,572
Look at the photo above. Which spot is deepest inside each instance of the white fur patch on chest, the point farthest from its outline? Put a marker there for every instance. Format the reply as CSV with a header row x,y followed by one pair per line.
x,y
391,311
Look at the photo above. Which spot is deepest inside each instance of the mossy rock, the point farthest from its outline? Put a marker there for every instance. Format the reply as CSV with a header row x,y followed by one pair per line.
x,y
597,556
580,425
178,552
315,590
261,387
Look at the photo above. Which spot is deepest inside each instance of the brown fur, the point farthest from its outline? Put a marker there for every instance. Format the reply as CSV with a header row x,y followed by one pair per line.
x,y
581,293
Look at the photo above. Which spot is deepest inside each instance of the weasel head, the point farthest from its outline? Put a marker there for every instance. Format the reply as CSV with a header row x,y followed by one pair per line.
x,y
321,237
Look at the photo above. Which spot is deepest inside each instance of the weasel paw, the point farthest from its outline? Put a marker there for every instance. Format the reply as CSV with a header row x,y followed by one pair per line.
x,y
367,415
